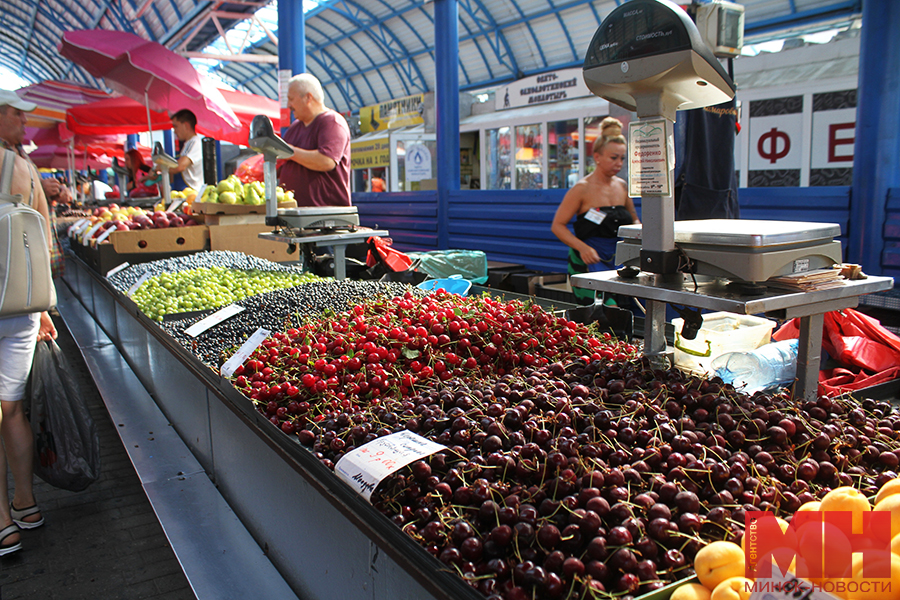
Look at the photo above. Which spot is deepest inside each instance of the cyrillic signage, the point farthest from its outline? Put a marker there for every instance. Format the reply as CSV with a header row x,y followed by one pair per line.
x,y
540,89
400,112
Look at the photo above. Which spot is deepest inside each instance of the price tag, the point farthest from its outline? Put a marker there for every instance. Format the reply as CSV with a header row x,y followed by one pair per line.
x,y
84,225
115,270
143,279
364,468
86,240
105,234
244,351
175,204
75,226
595,216
214,319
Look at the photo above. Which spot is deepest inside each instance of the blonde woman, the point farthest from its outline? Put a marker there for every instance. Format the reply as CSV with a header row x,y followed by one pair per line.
x,y
600,204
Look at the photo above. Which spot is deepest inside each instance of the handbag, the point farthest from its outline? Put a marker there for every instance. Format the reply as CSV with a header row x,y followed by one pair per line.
x,y
66,442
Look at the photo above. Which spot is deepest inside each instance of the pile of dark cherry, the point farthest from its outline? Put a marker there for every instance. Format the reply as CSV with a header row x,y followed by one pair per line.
x,y
572,469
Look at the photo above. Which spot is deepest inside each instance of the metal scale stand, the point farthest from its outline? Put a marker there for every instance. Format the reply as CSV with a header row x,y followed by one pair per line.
x,y
649,57
122,175
164,162
336,226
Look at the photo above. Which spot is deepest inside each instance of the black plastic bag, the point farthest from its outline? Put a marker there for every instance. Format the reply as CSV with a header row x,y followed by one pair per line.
x,y
66,442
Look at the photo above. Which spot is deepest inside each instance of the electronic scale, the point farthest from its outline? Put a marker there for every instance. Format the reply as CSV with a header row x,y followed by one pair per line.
x,y
303,220
743,249
333,226
649,57
164,162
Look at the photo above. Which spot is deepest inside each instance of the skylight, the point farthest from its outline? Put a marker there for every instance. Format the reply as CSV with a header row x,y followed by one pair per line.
x,y
244,35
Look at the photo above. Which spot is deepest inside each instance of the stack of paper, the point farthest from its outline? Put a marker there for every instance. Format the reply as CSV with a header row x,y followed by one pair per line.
x,y
820,279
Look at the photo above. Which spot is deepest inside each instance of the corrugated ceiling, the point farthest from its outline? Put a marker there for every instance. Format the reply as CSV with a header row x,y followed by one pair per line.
x,y
364,51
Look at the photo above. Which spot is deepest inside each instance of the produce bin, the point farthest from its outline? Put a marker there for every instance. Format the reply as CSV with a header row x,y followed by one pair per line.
x,y
323,538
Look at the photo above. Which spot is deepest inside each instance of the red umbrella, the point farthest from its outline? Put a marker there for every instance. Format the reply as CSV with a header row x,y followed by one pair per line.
x,y
124,115
53,98
57,157
148,72
246,106
114,115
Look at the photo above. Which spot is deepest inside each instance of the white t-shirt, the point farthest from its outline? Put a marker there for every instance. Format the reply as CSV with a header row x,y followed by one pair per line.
x,y
193,149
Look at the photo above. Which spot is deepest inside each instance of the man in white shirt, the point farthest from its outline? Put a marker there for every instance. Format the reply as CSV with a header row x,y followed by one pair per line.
x,y
190,160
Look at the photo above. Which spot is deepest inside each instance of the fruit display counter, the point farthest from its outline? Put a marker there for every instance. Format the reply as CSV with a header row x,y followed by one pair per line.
x,y
568,468
325,540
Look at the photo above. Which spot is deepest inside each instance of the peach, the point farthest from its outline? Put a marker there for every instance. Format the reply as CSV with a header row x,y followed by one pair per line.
x,y
690,591
733,588
811,506
717,562
849,499
888,489
816,541
785,528
860,587
889,504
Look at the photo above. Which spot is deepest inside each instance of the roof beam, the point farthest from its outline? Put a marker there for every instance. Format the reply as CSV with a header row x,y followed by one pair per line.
x,y
31,22
247,58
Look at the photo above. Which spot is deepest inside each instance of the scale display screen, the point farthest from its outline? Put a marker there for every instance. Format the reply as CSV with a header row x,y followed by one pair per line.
x,y
638,29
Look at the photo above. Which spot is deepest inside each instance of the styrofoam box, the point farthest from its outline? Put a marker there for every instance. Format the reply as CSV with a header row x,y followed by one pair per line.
x,y
720,333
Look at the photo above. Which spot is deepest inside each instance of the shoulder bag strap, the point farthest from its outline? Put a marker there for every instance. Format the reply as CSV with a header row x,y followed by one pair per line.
x,y
6,177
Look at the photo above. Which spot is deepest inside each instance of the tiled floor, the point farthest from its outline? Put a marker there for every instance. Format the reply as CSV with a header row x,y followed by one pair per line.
x,y
103,543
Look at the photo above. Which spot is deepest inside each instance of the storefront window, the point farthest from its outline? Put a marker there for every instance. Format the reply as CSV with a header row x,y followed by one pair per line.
x,y
529,158
562,157
498,164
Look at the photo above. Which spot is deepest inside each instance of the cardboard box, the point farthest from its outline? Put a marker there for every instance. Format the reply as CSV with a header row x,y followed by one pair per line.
x,y
245,238
170,239
214,208
104,257
252,219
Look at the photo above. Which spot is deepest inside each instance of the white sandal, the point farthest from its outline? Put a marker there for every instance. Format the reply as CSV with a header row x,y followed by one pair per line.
x,y
19,514
5,533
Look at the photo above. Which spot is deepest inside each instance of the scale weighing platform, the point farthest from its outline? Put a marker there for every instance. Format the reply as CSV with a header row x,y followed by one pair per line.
x,y
745,250
713,293
338,239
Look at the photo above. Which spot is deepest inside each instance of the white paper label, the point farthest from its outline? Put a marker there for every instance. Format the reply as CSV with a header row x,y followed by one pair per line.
x,y
648,158
143,279
364,468
86,240
175,204
105,234
115,270
77,231
252,343
214,319
595,216
75,226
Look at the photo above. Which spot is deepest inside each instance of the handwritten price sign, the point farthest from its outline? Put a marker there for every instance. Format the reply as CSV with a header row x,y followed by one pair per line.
x,y
364,468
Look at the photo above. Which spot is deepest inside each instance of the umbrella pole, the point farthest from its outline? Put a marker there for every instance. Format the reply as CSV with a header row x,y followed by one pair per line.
x,y
149,125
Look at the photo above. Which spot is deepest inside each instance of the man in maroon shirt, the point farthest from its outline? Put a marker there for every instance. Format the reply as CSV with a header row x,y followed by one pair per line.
x,y
319,171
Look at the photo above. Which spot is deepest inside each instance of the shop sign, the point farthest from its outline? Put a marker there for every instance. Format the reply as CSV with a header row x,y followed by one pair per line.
x,y
370,153
418,162
401,112
540,89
